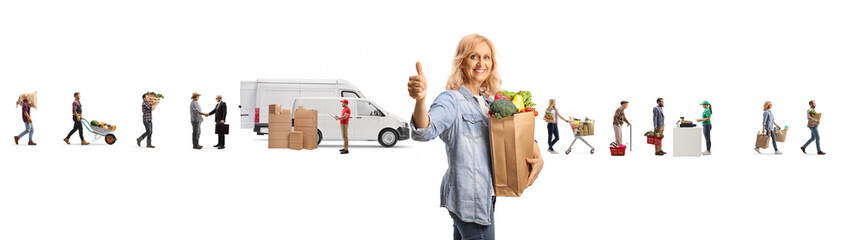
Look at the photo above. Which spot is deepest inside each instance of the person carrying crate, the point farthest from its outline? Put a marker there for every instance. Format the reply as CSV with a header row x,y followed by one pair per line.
x,y
659,123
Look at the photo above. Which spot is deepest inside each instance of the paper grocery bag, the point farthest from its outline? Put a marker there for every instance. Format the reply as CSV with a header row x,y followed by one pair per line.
x,y
781,134
511,142
763,141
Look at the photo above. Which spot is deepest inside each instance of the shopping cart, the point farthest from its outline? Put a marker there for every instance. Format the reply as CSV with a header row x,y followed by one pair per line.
x,y
575,128
99,132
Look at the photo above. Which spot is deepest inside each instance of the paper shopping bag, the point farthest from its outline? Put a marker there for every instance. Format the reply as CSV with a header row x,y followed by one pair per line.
x,y
780,135
511,142
763,141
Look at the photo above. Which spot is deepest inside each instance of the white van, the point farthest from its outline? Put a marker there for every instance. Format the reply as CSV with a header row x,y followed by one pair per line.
x,y
257,95
367,122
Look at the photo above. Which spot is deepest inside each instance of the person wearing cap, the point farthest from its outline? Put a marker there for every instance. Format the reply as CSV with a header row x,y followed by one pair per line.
x,y
221,110
195,114
28,122
618,120
344,125
705,120
659,123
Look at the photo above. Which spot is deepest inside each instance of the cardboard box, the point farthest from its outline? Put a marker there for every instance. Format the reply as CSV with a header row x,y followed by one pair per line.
x,y
511,142
780,135
302,113
278,135
278,143
283,117
279,127
311,142
274,108
305,122
296,140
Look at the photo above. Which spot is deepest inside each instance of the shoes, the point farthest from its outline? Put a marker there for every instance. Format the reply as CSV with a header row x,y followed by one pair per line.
x,y
706,153
66,140
84,142
778,152
151,147
138,141
659,153
344,151
757,150
821,153
31,143
16,140
221,147
196,147
663,152
803,149
551,151
216,145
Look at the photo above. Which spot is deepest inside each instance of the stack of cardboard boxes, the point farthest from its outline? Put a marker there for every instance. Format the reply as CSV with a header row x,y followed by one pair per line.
x,y
280,134
306,122
279,126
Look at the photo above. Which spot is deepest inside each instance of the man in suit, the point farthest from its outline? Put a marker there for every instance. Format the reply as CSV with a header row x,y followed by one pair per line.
x,y
220,110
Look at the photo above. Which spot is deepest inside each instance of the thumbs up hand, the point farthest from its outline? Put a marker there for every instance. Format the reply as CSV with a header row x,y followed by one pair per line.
x,y
418,84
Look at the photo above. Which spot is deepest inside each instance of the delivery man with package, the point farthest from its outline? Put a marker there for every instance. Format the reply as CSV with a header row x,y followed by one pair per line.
x,y
459,116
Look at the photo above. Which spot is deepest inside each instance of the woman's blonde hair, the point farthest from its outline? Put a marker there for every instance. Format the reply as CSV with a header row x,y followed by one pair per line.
x,y
490,86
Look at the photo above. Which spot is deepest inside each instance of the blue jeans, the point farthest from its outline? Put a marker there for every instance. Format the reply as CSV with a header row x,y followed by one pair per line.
x,y
815,137
707,129
472,231
552,135
773,139
28,128
148,131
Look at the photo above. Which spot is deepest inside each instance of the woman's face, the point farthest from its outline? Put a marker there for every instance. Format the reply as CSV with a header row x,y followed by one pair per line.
x,y
476,67
705,106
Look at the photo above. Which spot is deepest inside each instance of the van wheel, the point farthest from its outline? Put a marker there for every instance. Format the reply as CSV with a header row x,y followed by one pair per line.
x,y
320,137
388,137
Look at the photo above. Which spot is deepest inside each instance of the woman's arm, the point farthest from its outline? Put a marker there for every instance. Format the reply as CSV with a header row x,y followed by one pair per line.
x,y
418,90
560,116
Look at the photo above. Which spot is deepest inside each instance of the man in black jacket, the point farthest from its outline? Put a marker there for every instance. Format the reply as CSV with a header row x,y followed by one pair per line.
x,y
220,110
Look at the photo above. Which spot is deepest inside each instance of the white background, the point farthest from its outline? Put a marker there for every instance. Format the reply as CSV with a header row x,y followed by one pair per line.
x,y
588,55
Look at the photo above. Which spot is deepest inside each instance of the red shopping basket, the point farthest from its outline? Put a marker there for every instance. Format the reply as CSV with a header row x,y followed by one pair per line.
x,y
653,140
617,151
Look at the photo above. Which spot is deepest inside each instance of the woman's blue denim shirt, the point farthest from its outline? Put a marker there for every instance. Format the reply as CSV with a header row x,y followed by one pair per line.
x,y
467,187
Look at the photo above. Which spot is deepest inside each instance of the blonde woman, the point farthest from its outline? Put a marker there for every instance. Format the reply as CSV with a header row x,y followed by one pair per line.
x,y
552,127
459,116
768,126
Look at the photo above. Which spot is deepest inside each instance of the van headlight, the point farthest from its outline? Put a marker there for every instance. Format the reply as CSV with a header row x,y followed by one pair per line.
x,y
404,124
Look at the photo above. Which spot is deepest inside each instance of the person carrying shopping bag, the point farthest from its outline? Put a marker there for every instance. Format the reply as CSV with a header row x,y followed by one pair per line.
x,y
551,116
769,123
705,120
813,118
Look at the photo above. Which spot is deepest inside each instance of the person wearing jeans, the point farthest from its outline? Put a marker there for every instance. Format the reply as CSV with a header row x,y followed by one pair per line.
x,y
705,119
147,119
459,117
813,128
196,119
552,127
28,122
76,119
768,124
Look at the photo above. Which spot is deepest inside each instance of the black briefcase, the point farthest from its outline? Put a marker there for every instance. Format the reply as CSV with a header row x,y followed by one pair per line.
x,y
222,128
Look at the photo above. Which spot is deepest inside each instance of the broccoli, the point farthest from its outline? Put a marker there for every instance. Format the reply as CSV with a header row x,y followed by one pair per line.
x,y
502,108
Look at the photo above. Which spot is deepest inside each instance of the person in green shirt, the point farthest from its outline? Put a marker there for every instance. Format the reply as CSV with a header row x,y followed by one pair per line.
x,y
705,119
